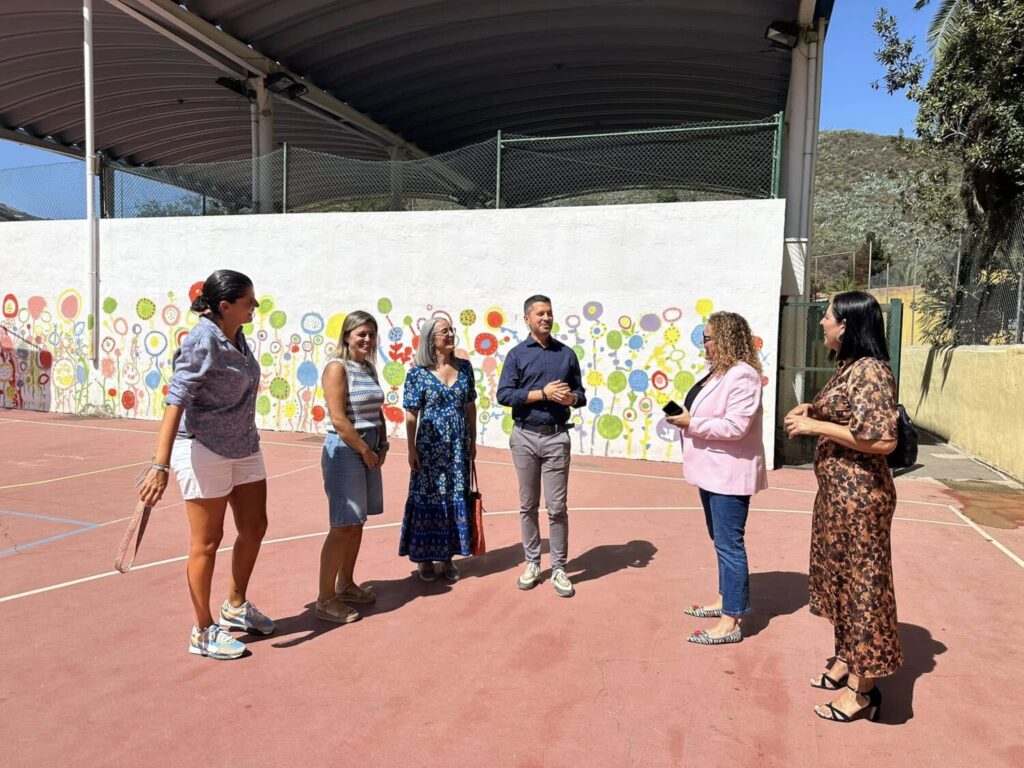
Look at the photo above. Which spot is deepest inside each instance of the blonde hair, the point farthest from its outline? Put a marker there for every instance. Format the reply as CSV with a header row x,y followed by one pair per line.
x,y
733,342
352,321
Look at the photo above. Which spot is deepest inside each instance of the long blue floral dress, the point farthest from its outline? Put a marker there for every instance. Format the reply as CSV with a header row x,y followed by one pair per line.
x,y
436,521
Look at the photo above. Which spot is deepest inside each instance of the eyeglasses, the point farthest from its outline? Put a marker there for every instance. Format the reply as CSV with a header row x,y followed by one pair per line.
x,y
445,332
708,338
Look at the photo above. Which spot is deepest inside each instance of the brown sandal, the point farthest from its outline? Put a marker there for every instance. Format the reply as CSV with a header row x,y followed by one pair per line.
x,y
353,593
334,610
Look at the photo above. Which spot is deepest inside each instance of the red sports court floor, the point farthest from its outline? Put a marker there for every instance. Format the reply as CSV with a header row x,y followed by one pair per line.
x,y
95,670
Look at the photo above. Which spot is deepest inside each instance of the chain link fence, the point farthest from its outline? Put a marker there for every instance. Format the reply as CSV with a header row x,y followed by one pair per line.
x,y
975,295
710,161
707,161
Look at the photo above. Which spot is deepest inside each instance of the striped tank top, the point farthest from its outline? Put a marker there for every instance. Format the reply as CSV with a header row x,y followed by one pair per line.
x,y
365,397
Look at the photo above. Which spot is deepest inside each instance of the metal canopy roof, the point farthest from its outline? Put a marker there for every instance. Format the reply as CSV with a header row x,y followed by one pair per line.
x,y
438,73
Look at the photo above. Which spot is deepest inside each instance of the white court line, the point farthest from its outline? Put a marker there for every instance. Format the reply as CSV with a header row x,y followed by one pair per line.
x,y
378,526
264,441
898,501
164,507
151,433
985,535
77,426
611,473
587,471
71,477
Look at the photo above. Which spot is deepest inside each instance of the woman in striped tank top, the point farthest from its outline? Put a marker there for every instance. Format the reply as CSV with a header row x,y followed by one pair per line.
x,y
353,453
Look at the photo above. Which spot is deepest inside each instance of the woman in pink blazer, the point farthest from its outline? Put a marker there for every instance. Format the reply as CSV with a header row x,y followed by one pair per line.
x,y
723,455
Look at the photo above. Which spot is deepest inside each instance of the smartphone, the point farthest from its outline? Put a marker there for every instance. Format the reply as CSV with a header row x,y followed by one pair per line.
x,y
672,408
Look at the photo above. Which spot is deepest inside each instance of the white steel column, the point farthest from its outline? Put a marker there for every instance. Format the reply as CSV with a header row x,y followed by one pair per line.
x,y
262,110
396,156
92,222
802,115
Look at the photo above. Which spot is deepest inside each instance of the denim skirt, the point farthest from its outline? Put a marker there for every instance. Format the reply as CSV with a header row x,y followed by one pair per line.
x,y
353,489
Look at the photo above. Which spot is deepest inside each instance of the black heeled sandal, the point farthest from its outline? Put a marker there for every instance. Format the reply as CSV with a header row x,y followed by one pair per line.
x,y
828,683
871,710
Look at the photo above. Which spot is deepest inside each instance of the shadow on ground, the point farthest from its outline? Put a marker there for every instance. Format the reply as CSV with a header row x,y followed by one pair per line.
x,y
774,593
919,652
393,594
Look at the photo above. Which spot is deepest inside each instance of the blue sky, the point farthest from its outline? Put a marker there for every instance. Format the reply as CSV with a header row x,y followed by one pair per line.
x,y
847,100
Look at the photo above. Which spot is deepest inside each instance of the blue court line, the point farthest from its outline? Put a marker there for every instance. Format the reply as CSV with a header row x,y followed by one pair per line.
x,y
83,527
65,520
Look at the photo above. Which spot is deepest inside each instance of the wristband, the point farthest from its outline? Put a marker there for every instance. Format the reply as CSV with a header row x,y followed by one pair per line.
x,y
161,467
543,394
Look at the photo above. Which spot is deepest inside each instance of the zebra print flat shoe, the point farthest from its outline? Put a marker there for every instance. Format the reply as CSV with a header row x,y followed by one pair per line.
x,y
700,612
700,637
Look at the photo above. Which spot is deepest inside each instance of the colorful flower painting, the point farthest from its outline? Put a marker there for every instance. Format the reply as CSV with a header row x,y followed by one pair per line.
x,y
633,361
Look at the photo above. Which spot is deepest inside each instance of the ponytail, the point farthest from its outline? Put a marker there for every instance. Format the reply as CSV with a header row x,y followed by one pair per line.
x,y
223,285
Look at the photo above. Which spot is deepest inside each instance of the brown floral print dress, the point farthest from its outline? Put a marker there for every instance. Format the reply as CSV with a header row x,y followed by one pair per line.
x,y
851,561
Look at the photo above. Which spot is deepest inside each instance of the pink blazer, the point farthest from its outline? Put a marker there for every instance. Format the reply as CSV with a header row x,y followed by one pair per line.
x,y
723,450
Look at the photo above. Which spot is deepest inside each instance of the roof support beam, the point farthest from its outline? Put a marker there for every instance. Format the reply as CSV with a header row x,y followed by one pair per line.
x,y
254,62
34,141
221,64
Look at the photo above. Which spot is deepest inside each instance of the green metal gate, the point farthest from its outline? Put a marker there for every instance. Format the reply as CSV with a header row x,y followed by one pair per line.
x,y
804,367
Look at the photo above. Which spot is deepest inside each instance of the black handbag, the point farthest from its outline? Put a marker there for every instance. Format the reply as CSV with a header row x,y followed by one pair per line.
x,y
905,454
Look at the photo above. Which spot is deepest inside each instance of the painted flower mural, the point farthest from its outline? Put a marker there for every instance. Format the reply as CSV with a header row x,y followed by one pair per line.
x,y
632,362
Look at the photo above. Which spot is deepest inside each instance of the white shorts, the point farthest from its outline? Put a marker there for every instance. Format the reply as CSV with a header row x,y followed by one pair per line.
x,y
203,474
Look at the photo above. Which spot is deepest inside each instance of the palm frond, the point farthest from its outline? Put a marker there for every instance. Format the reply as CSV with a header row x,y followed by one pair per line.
x,y
945,24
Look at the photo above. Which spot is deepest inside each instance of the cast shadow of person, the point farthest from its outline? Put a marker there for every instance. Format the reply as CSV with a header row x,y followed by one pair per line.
x,y
774,593
392,594
606,559
919,652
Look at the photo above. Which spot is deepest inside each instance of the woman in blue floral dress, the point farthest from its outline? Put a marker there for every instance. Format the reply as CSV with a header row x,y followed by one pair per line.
x,y
440,422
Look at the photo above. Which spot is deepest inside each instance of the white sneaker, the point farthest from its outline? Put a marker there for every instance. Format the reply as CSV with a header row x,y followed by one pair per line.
x,y
530,577
215,643
246,617
563,586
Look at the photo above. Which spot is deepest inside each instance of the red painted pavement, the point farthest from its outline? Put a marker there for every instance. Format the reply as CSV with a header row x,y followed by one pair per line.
x,y
477,673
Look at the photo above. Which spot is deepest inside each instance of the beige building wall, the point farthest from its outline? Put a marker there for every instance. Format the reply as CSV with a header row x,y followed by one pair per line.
x,y
972,397
912,314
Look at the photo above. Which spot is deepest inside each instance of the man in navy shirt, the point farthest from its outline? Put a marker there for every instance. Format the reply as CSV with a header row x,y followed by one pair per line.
x,y
541,381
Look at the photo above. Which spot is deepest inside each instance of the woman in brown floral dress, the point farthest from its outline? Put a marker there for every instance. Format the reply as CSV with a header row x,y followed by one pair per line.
x,y
854,417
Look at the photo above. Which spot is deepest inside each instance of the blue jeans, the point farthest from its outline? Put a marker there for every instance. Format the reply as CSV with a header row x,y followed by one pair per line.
x,y
726,517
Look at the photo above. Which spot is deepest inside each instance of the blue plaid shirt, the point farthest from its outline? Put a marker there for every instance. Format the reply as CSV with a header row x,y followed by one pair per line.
x,y
215,383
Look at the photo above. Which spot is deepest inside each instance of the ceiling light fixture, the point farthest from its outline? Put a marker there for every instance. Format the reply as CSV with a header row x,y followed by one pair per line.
x,y
783,34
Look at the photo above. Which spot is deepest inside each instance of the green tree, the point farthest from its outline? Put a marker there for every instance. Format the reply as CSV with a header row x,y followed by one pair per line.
x,y
971,118
184,206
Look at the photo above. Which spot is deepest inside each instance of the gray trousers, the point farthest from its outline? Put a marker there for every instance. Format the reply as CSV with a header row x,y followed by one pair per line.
x,y
543,458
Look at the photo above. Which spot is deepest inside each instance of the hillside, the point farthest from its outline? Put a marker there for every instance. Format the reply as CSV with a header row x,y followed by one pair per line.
x,y
854,195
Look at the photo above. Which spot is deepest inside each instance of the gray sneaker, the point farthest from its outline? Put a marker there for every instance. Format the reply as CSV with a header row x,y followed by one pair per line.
x,y
530,577
563,586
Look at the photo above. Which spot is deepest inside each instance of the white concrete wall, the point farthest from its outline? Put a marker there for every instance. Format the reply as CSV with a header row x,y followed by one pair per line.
x,y
631,286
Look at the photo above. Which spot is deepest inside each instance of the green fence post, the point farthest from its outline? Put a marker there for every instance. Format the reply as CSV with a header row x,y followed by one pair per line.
x,y
894,332
497,175
777,158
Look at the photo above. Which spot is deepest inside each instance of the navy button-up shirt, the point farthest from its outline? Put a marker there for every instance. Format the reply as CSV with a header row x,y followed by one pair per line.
x,y
530,366
215,383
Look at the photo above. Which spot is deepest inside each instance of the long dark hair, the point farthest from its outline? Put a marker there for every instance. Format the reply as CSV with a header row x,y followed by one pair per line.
x,y
864,335
223,285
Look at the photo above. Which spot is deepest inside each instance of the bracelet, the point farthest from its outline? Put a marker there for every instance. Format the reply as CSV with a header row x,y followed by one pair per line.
x,y
161,467
543,394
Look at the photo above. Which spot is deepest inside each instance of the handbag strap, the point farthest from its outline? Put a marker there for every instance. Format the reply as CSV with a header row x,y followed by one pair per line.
x,y
136,529
474,485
